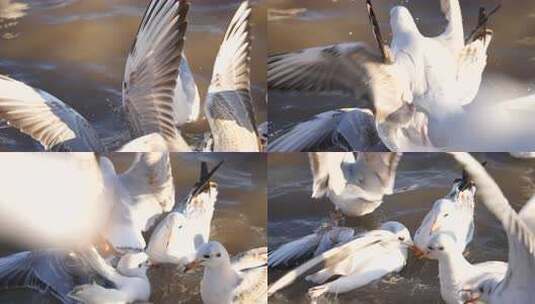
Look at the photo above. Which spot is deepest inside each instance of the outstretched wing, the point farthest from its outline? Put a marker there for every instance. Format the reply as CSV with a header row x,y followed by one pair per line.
x,y
152,69
46,118
229,107
453,36
346,129
521,262
48,271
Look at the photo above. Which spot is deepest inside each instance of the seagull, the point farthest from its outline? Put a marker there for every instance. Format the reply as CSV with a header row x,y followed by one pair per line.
x,y
354,183
455,272
181,232
53,272
151,75
367,258
240,280
325,238
516,286
452,215
416,83
130,280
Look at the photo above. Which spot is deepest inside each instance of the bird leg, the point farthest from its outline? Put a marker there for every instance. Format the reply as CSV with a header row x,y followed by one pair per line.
x,y
377,32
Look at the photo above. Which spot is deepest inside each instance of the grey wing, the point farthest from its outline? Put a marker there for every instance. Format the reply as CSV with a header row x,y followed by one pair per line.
x,y
294,250
229,106
45,118
48,271
152,69
344,129
332,68
521,262
333,237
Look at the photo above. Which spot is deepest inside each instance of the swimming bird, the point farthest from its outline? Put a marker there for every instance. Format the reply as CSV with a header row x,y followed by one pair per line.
x,y
368,257
154,71
516,286
455,272
354,183
452,215
229,106
326,237
181,232
416,79
130,280
240,280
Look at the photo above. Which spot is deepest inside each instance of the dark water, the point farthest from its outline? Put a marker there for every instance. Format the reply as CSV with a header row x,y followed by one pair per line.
x,y
239,220
298,24
77,49
421,179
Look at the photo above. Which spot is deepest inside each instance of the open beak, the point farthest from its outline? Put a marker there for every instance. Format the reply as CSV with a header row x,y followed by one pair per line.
x,y
417,252
192,266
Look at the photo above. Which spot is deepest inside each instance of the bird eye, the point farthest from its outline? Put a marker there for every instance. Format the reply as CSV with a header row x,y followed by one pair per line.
x,y
206,256
481,289
401,238
180,227
218,255
446,215
430,247
441,248
140,265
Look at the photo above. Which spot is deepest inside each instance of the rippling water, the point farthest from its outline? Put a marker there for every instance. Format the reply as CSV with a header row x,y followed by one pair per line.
x,y
298,24
76,50
239,219
421,179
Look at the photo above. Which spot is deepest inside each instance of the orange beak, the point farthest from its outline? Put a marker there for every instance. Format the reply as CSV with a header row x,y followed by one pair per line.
x,y
417,252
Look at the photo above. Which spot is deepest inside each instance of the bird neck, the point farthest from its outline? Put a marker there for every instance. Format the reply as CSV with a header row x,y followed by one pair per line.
x,y
452,268
220,274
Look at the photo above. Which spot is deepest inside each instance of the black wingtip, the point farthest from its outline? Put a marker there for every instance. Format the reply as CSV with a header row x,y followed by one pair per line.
x,y
205,177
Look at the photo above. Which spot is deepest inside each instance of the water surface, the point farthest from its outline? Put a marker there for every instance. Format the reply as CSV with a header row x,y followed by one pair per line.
x,y
239,220
76,50
421,179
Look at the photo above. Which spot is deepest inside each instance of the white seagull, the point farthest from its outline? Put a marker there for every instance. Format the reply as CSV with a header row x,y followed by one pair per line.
x,y
452,215
455,272
516,286
369,257
325,238
149,101
129,279
179,235
355,184
417,82
240,280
